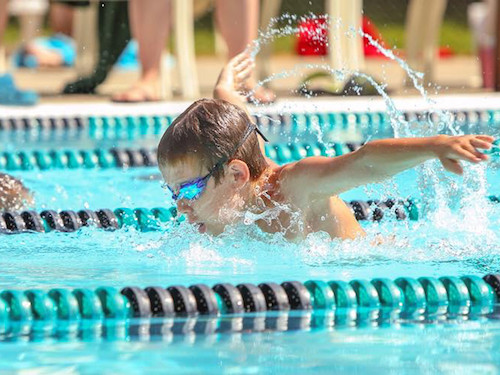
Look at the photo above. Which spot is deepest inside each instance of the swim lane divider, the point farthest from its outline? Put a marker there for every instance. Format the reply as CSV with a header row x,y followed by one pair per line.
x,y
144,219
108,127
146,157
425,295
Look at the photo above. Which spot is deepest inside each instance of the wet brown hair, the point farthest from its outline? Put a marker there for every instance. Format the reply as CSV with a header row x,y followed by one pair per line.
x,y
209,130
14,196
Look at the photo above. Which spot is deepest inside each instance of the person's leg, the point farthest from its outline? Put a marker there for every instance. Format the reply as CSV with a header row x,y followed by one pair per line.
x,y
61,21
238,21
9,93
3,18
61,18
150,24
3,26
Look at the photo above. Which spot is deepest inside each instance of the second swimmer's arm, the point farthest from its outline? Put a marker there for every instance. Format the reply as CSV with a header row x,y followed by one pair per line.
x,y
232,80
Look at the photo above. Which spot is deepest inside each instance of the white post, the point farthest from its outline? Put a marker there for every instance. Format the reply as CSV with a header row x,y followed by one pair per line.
x,y
423,23
85,35
184,47
3,61
345,43
269,10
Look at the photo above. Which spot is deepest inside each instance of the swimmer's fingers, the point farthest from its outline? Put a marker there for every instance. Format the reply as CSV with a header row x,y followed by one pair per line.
x,y
466,154
452,165
479,155
243,65
239,59
245,73
486,138
481,143
242,73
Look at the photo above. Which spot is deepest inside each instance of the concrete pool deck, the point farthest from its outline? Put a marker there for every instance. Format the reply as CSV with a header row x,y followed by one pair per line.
x,y
457,74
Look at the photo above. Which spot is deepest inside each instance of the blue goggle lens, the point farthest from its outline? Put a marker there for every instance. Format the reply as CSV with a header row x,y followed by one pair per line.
x,y
190,190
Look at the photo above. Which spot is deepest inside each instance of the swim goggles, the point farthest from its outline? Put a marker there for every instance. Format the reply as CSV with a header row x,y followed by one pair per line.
x,y
192,189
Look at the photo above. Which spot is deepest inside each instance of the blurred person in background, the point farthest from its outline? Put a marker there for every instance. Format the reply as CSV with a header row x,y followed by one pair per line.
x,y
482,20
55,50
9,93
150,24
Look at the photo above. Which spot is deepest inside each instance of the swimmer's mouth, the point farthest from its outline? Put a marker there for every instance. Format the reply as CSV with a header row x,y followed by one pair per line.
x,y
202,228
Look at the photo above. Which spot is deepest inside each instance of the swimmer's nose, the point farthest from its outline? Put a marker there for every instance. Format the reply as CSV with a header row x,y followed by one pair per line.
x,y
183,207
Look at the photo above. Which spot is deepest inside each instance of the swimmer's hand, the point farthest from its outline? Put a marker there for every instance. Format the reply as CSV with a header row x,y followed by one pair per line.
x,y
233,79
450,150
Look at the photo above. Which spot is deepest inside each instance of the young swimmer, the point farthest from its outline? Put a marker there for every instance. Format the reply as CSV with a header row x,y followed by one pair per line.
x,y
214,165
14,196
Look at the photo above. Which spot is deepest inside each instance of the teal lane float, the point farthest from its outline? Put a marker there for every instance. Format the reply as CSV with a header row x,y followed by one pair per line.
x,y
158,218
144,219
408,296
146,157
134,127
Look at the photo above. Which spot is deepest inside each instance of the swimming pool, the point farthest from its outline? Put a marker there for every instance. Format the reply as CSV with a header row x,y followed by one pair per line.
x,y
456,242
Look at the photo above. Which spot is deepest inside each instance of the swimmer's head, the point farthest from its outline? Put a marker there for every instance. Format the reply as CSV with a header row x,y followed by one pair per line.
x,y
216,139
14,196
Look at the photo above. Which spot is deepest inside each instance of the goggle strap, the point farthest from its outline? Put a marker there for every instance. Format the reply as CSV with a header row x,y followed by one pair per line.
x,y
261,134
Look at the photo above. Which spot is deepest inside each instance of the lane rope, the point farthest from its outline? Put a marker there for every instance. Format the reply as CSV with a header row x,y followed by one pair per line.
x,y
409,296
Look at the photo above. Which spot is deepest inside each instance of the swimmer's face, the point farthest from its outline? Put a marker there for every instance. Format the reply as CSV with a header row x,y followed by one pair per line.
x,y
219,204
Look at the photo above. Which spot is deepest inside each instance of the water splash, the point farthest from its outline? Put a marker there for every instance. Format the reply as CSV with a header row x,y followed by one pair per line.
x,y
440,190
244,253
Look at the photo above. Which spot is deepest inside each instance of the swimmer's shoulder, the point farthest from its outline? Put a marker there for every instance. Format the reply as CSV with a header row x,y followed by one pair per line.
x,y
282,181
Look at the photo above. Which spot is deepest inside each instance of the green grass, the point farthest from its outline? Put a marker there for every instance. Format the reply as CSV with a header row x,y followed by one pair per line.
x,y
205,43
454,35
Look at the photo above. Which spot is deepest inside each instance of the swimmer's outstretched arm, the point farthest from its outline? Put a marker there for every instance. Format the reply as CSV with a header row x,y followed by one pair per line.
x,y
378,160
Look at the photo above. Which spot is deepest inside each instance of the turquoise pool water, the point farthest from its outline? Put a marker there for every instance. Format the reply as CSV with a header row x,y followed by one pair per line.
x,y
456,347
461,241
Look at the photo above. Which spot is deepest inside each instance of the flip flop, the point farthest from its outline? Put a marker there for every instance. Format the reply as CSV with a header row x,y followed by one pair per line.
x,y
11,95
322,83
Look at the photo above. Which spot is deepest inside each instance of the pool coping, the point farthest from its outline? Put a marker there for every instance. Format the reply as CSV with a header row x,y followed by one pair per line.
x,y
330,104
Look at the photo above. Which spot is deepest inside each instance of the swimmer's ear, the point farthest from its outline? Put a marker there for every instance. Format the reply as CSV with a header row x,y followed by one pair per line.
x,y
238,172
